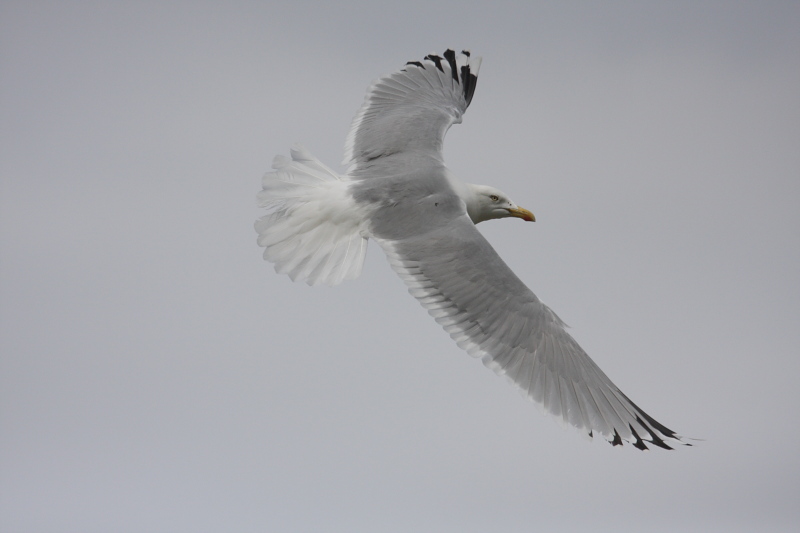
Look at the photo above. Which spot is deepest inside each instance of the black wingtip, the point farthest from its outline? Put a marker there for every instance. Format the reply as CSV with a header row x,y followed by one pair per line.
x,y
462,76
655,439
638,443
661,428
450,56
469,80
437,60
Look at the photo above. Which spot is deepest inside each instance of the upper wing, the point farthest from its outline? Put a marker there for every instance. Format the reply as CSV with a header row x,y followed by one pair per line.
x,y
410,110
456,274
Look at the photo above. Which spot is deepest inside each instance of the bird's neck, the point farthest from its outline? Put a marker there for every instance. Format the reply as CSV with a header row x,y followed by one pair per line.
x,y
467,194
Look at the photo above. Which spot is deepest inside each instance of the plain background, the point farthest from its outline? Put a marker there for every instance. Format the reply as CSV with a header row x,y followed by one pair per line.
x,y
156,375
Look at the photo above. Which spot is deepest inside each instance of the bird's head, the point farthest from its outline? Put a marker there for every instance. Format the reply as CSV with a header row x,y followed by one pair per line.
x,y
487,203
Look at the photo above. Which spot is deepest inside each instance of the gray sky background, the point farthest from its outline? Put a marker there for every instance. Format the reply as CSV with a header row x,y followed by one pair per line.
x,y
156,375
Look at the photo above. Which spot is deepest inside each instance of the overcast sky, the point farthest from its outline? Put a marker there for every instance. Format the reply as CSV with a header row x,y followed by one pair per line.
x,y
156,375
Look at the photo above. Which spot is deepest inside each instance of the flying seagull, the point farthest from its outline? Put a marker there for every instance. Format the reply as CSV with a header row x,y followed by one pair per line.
x,y
398,192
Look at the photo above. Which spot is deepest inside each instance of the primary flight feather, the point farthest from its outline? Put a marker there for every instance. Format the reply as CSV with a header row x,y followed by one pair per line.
x,y
398,192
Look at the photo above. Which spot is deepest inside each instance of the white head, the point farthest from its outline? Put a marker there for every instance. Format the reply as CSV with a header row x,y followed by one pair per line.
x,y
486,203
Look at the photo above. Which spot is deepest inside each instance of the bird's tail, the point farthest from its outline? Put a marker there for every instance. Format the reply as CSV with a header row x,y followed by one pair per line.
x,y
311,232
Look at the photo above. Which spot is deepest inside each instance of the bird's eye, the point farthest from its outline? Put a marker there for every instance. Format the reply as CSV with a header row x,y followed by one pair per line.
x,y
494,198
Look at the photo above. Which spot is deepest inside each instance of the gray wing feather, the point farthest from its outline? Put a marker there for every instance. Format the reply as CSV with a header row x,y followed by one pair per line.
x,y
409,111
456,274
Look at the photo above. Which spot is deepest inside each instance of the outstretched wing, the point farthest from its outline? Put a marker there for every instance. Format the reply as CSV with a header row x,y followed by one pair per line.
x,y
456,274
409,112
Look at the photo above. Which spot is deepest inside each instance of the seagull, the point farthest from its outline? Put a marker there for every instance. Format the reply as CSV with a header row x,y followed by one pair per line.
x,y
398,192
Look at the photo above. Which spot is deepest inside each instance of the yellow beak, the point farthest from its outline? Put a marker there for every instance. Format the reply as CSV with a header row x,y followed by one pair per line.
x,y
522,213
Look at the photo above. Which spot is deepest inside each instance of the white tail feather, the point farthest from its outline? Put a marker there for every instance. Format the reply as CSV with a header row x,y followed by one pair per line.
x,y
312,231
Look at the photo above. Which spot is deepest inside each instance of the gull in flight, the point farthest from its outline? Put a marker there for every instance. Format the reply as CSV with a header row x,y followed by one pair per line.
x,y
398,192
